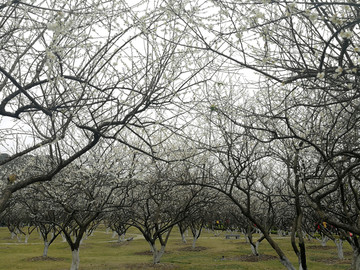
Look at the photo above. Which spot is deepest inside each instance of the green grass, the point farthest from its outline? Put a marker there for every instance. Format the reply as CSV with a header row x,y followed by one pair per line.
x,y
100,252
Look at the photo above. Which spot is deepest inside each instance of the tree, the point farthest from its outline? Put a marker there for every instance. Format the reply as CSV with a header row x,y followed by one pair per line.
x,y
17,219
238,165
159,205
205,202
118,222
66,85
43,215
304,62
84,192
198,218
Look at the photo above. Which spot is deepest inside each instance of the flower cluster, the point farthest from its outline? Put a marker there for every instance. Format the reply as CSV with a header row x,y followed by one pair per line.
x,y
335,20
320,75
346,34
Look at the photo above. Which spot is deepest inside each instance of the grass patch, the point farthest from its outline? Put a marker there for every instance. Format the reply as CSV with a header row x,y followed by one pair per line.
x,y
101,252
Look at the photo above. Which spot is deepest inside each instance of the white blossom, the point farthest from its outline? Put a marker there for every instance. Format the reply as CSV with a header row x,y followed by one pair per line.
x,y
334,19
320,75
339,70
292,7
313,16
259,15
346,34
52,26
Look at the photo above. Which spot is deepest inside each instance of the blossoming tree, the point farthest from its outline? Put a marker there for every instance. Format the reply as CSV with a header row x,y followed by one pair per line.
x,y
72,73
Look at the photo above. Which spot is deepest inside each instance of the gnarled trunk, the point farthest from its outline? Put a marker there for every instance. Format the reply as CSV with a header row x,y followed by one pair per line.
x,y
157,254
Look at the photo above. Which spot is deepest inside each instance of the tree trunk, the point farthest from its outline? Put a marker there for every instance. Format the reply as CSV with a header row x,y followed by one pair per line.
x,y
300,264
152,248
46,248
302,257
183,238
193,246
339,246
75,260
254,248
121,238
355,264
157,254
63,237
324,240
18,235
196,237
246,236
285,261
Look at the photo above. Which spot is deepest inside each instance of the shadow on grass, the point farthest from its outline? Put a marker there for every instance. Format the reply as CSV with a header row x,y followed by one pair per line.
x,y
332,261
149,253
41,258
252,258
189,248
120,244
151,266
320,247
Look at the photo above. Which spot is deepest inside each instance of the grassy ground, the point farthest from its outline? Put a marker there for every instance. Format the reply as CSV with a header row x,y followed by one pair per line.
x,y
101,252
